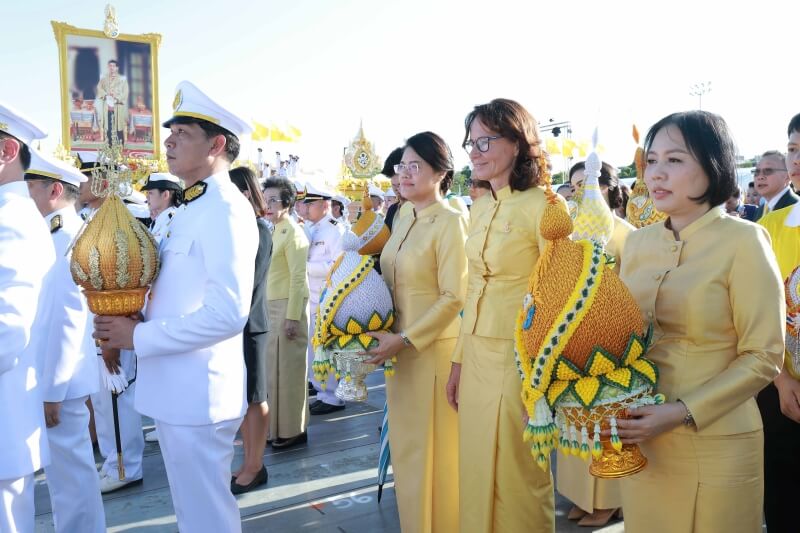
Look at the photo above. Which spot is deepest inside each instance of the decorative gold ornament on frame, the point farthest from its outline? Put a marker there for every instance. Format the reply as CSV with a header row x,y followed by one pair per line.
x,y
99,102
360,157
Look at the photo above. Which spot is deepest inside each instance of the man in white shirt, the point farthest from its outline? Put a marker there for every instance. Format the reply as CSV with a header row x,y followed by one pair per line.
x,y
189,348
27,259
325,246
69,372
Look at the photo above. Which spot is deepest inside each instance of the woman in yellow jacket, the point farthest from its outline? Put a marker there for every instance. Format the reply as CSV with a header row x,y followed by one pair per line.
x,y
501,487
287,297
710,286
425,268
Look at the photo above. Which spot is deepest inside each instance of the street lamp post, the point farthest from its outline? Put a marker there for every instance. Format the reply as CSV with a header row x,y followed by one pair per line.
x,y
698,90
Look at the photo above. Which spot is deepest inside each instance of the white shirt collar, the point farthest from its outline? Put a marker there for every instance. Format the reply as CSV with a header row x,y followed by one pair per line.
x,y
793,218
771,203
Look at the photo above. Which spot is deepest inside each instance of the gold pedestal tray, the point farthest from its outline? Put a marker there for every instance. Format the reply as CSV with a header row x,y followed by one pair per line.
x,y
116,302
613,464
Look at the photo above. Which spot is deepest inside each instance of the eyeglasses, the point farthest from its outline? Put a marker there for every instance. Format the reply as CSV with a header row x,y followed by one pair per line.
x,y
482,143
767,171
411,168
272,201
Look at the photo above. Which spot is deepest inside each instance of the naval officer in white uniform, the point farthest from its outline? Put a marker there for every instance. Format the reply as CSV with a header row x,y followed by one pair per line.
x,y
164,195
325,246
69,364
191,377
27,257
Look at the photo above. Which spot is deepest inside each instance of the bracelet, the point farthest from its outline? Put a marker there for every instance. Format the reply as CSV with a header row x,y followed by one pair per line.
x,y
688,420
406,341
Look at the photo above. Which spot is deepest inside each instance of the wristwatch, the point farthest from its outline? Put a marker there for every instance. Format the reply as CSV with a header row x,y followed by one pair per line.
x,y
406,341
688,420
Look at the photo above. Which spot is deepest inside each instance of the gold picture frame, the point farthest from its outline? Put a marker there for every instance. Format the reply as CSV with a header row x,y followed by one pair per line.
x,y
99,105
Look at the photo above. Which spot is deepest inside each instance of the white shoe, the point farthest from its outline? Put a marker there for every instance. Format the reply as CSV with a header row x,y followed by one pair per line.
x,y
152,436
112,483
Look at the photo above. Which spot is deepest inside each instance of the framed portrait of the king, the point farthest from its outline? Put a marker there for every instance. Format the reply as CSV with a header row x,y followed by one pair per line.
x,y
109,91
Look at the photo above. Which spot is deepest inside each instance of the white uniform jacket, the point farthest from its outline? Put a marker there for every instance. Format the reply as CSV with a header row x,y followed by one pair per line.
x,y
162,223
325,246
189,349
69,360
26,262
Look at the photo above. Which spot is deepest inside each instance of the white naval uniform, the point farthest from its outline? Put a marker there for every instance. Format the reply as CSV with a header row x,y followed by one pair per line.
x,y
161,224
26,264
325,246
69,376
189,348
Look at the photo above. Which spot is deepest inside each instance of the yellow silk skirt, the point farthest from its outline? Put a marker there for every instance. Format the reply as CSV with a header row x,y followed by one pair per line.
x,y
502,488
697,484
287,367
423,438
575,483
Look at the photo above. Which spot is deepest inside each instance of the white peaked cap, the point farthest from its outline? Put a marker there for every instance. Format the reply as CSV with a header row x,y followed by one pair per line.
x,y
375,191
19,126
50,167
193,103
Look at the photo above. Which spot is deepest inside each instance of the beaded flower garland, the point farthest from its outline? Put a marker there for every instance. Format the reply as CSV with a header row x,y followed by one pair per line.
x,y
580,343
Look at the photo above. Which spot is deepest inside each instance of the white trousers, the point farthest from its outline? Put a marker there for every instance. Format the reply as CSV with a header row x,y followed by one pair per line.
x,y
198,462
17,513
72,476
329,394
130,427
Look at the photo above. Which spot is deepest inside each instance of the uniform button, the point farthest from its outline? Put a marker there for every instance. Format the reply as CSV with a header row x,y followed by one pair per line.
x,y
674,248
649,314
657,277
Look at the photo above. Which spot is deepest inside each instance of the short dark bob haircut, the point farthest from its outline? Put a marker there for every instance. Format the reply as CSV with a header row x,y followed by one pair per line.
x,y
285,187
434,151
794,125
513,122
708,140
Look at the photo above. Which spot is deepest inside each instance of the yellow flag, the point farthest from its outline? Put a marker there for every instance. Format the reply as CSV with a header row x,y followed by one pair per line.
x,y
567,146
295,132
552,147
260,132
275,134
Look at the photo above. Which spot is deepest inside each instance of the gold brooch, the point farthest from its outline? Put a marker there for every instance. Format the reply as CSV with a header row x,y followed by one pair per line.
x,y
507,228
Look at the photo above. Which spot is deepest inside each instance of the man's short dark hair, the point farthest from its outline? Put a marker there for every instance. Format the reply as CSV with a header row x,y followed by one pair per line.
x,y
71,192
24,151
794,125
232,145
752,184
113,61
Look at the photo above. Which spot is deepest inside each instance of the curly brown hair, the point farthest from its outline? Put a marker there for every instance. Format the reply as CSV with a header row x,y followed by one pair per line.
x,y
512,121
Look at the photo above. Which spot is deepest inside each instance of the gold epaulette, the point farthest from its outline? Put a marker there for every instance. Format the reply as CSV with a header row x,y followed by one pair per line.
x,y
194,192
56,223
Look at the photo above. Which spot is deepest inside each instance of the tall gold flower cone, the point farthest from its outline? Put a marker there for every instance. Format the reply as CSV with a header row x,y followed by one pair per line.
x,y
114,260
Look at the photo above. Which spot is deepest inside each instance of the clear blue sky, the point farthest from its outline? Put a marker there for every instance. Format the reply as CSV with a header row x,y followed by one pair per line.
x,y
412,65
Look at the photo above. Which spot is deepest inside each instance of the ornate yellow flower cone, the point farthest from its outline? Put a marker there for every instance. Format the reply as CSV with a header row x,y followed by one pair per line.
x,y
580,345
640,210
115,259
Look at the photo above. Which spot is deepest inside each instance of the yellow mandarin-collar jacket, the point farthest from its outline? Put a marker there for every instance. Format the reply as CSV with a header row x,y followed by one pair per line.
x,y
427,249
502,248
287,268
715,299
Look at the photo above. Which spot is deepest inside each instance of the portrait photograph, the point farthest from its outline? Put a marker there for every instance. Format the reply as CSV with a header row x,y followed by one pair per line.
x,y
109,91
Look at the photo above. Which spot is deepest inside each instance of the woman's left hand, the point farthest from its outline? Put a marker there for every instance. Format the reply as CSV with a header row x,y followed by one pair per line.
x,y
389,345
649,421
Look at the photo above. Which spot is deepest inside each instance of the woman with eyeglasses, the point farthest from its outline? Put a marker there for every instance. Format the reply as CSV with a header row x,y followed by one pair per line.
x,y
501,487
287,299
425,268
710,286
